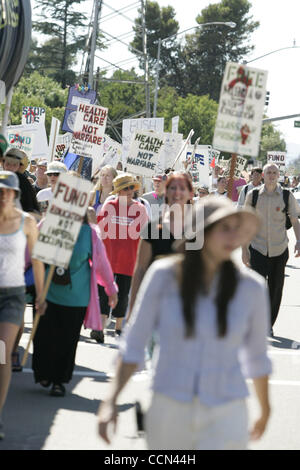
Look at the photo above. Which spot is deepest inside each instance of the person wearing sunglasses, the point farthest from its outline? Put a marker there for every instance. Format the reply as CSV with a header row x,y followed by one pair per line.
x,y
45,195
121,221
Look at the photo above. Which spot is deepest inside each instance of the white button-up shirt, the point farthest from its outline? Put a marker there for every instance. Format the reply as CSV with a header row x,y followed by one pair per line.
x,y
205,365
271,239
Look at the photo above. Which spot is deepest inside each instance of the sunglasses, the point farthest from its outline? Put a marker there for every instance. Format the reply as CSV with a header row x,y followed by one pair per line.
x,y
52,174
131,188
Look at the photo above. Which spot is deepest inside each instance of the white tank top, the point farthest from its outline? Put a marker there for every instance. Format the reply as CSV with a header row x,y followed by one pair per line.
x,y
12,257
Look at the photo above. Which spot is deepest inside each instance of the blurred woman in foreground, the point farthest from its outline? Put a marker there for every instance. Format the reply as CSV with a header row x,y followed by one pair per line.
x,y
212,336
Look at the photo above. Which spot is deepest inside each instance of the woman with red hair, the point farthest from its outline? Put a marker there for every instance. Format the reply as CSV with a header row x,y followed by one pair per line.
x,y
158,235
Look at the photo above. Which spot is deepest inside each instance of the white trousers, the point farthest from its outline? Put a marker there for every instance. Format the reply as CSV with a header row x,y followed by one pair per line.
x,y
174,425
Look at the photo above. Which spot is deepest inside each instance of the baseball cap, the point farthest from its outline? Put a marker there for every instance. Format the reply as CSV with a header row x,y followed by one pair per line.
x,y
160,177
42,163
9,180
56,167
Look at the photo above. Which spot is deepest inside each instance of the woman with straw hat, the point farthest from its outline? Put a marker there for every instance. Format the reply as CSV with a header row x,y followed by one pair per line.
x,y
212,336
121,221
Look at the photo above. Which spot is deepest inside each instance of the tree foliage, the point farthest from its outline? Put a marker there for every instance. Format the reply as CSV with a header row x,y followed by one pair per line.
x,y
271,139
209,48
37,90
196,112
63,26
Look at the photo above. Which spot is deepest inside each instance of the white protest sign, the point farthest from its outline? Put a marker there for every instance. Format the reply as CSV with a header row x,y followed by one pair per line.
x,y
173,143
241,107
111,154
89,128
39,141
225,164
175,124
21,140
55,125
239,167
279,158
199,167
63,142
144,154
63,221
33,115
131,126
214,154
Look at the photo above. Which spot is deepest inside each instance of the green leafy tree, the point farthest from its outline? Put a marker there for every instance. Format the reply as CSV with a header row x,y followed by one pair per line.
x,y
122,98
37,90
160,24
209,48
271,139
58,20
196,112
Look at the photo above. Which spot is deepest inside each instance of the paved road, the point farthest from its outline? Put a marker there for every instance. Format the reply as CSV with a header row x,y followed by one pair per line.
x,y
34,420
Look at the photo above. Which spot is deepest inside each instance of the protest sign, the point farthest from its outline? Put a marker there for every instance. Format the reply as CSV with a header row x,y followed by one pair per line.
x,y
76,94
63,142
177,163
145,153
279,158
241,107
64,218
38,141
131,126
175,124
33,115
89,128
21,140
238,169
199,166
173,143
111,154
213,155
55,124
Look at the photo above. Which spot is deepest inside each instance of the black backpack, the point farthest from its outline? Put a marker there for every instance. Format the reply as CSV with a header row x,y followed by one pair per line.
x,y
285,194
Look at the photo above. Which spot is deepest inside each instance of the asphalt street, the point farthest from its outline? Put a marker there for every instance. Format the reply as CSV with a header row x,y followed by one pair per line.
x,y
35,420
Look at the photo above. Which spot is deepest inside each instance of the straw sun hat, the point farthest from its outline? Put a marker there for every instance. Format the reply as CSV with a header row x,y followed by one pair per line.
x,y
123,181
18,155
213,209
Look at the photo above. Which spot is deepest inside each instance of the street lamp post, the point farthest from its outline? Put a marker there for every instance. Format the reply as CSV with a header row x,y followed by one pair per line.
x,y
231,24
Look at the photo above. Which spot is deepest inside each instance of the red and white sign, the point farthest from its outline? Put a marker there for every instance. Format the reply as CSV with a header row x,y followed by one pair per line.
x,y
89,129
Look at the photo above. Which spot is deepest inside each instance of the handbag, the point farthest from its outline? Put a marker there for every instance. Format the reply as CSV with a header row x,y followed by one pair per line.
x,y
61,276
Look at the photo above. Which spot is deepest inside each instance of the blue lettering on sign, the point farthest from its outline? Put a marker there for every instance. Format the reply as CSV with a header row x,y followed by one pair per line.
x,y
198,158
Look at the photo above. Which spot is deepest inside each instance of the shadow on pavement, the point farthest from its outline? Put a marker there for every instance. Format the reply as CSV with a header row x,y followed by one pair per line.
x,y
30,411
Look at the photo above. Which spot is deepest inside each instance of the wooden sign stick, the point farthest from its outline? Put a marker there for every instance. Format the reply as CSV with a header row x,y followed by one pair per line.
x,y
37,316
231,176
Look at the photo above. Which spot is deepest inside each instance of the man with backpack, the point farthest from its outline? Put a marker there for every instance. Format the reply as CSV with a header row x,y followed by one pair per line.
x,y
256,181
268,251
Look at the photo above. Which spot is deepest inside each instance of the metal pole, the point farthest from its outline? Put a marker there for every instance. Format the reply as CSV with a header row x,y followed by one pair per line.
x,y
146,64
94,40
157,78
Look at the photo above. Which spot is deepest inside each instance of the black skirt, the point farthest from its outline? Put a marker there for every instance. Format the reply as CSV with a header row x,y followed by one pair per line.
x,y
55,343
